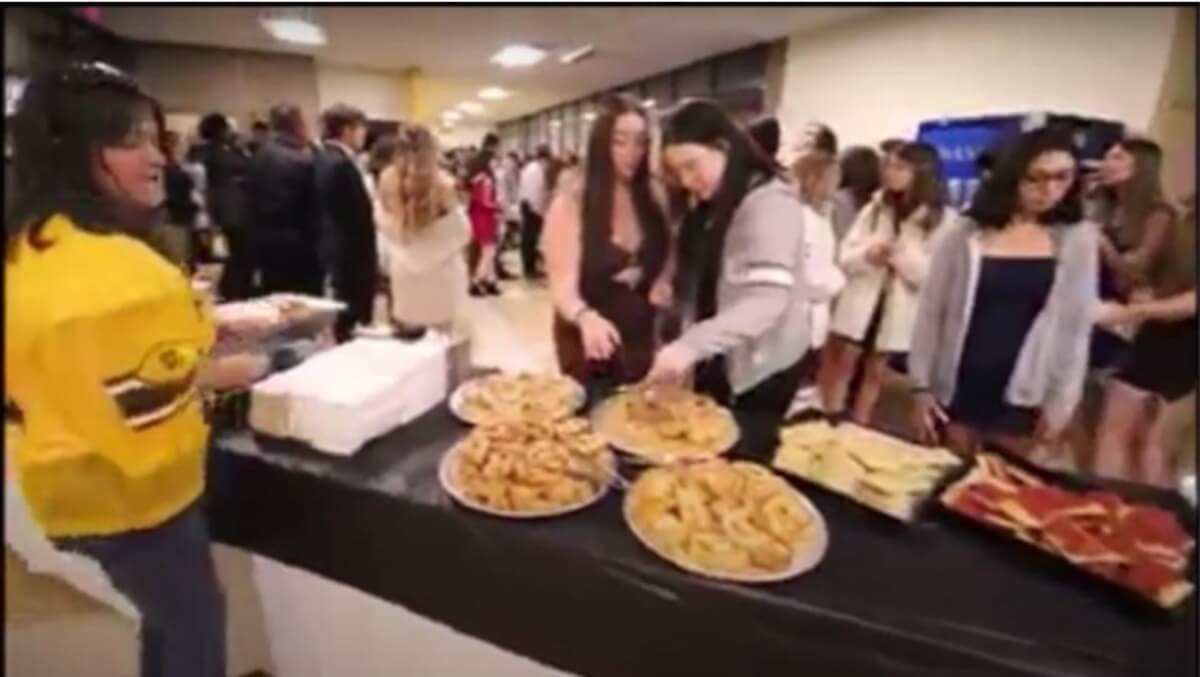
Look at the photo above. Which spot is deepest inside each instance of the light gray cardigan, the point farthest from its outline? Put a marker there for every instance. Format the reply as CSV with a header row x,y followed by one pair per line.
x,y
1053,361
762,320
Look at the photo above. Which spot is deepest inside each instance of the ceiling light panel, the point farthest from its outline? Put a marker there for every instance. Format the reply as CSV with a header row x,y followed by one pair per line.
x,y
494,93
518,56
293,26
471,107
577,55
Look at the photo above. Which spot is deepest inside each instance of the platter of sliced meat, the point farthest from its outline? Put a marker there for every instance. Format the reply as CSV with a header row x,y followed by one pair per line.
x,y
1141,547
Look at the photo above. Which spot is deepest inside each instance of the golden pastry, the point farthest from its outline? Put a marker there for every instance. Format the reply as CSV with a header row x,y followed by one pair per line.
x,y
518,397
731,519
667,423
527,467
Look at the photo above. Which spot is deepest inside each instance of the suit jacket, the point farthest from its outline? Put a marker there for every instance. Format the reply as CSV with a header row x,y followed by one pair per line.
x,y
283,200
347,212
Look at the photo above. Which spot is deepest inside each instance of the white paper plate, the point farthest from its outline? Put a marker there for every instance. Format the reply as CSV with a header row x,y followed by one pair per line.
x,y
644,453
446,477
456,400
805,558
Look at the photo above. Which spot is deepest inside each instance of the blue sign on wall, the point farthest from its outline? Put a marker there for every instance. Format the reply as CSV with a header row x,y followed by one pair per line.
x,y
959,143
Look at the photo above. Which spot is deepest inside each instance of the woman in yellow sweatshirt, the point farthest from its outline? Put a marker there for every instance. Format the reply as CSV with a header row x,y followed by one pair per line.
x,y
105,353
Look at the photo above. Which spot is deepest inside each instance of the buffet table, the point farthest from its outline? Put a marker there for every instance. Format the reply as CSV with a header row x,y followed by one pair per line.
x,y
579,593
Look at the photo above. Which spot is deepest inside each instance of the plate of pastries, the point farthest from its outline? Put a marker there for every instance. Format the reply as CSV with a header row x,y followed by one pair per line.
x,y
666,424
518,396
731,521
528,469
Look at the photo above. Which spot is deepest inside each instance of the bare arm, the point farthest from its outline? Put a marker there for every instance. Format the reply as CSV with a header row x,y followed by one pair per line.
x,y
563,251
1178,307
231,372
1155,233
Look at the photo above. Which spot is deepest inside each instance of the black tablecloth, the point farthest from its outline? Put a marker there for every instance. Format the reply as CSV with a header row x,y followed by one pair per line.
x,y
581,594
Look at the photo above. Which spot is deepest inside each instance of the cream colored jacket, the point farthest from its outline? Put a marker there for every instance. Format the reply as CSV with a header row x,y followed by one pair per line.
x,y
901,278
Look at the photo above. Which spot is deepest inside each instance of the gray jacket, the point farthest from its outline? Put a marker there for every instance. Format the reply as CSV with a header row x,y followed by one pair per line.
x,y
762,320
1053,361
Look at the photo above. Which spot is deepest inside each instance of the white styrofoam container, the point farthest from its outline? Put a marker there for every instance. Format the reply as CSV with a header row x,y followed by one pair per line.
x,y
341,399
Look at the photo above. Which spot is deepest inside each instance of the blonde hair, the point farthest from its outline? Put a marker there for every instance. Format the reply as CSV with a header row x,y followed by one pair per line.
x,y
811,170
420,193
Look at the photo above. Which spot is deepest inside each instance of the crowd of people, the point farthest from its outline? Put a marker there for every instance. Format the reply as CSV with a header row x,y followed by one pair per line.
x,y
698,260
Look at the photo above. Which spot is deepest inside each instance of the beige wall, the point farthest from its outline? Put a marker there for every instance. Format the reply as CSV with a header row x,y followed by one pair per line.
x,y
1174,123
380,94
881,76
244,84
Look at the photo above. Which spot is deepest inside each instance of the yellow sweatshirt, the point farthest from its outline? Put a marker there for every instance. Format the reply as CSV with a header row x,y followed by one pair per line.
x,y
103,339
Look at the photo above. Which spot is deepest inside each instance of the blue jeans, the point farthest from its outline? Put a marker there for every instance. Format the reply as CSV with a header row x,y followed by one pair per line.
x,y
168,574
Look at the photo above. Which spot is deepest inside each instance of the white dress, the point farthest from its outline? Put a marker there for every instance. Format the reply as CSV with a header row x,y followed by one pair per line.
x,y
427,271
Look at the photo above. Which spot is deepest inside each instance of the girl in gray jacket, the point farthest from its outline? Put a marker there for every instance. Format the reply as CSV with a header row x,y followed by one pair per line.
x,y
741,263
1004,320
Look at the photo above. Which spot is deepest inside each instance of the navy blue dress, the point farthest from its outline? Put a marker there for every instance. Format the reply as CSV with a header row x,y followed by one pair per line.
x,y
1011,293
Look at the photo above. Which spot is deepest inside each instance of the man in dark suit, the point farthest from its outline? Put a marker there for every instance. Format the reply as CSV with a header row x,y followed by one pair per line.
x,y
283,209
348,223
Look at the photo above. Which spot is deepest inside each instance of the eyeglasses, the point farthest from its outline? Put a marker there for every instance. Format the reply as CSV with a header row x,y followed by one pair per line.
x,y
1040,178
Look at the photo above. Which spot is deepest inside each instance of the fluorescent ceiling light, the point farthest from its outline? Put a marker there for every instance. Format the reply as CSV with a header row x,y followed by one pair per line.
x,y
649,103
518,56
576,55
471,107
451,116
493,93
295,30
589,116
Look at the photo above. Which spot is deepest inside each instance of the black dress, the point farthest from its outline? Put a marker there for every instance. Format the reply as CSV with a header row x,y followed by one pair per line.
x,y
1162,359
1010,294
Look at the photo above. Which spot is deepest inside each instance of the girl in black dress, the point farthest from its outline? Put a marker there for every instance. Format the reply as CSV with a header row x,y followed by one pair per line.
x,y
1160,366
1001,343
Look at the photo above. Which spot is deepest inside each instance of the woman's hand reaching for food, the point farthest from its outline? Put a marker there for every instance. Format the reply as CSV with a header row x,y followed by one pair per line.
x,y
928,417
672,365
600,338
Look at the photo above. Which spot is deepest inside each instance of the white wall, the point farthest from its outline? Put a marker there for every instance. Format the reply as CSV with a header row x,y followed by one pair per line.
x,y
881,76
380,94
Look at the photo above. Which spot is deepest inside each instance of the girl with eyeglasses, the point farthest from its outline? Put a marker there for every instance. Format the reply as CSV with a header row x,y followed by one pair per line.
x,y
1001,342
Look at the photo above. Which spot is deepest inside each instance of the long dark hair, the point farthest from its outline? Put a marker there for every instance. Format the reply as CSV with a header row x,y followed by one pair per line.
x,y
998,197
702,122
63,120
598,183
766,133
928,190
1126,207
860,174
